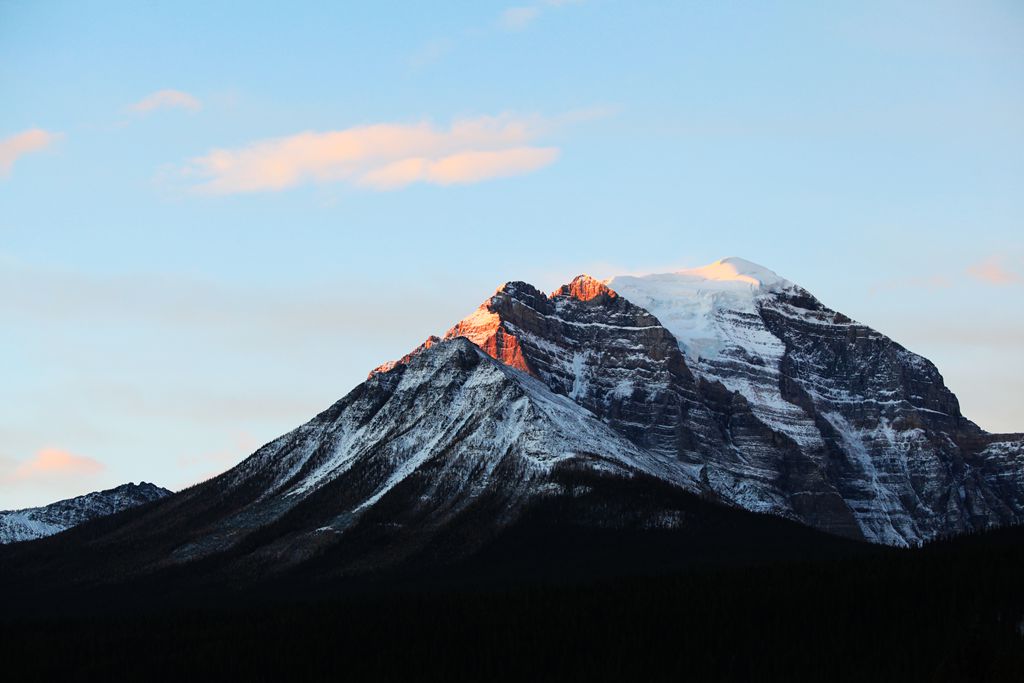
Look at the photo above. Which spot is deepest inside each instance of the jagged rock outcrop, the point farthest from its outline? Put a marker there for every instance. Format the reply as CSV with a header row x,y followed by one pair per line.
x,y
32,523
611,357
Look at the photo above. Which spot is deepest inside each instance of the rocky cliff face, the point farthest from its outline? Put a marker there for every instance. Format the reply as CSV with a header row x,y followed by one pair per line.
x,y
594,347
874,422
32,523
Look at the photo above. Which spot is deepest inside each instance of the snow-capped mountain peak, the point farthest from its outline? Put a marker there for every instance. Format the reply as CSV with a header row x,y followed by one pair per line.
x,y
737,270
704,307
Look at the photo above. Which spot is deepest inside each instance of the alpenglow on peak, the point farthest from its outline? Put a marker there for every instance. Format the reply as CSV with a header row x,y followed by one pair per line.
x,y
735,269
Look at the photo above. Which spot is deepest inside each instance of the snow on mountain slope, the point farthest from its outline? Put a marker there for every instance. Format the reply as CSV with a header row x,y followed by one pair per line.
x,y
433,436
31,523
713,313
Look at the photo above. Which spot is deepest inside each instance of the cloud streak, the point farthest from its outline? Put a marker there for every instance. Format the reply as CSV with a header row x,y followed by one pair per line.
x,y
51,463
466,167
385,156
519,17
993,272
167,99
25,142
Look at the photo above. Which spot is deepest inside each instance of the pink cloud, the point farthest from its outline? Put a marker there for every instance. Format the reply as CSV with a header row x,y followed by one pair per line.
x,y
467,167
382,156
22,143
993,272
167,99
50,463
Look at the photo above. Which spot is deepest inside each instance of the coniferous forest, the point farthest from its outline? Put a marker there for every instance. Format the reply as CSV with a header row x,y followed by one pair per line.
x,y
952,610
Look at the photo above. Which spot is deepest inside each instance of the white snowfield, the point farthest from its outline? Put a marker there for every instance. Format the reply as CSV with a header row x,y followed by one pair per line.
x,y
705,307
713,313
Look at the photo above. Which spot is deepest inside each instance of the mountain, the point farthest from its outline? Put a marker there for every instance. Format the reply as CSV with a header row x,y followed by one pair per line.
x,y
698,416
32,523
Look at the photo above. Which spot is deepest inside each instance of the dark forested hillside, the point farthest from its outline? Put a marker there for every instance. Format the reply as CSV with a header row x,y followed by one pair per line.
x,y
950,611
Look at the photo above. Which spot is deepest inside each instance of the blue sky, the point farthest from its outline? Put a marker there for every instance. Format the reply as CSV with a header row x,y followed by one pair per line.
x,y
215,218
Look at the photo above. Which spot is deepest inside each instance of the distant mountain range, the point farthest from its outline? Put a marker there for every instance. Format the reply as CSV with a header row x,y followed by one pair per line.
x,y
32,523
659,407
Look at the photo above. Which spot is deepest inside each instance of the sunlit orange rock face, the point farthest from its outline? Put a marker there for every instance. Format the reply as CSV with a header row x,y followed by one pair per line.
x,y
485,329
584,288
489,326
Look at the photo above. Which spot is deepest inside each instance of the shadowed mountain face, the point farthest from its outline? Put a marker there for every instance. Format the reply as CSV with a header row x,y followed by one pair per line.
x,y
32,523
662,407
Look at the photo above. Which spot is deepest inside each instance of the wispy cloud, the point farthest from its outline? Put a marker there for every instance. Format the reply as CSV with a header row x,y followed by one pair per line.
x,y
519,17
167,99
383,156
465,167
25,142
50,463
430,52
993,272
511,19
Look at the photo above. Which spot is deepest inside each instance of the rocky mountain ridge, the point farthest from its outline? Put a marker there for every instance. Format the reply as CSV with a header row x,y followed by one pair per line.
x,y
32,523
